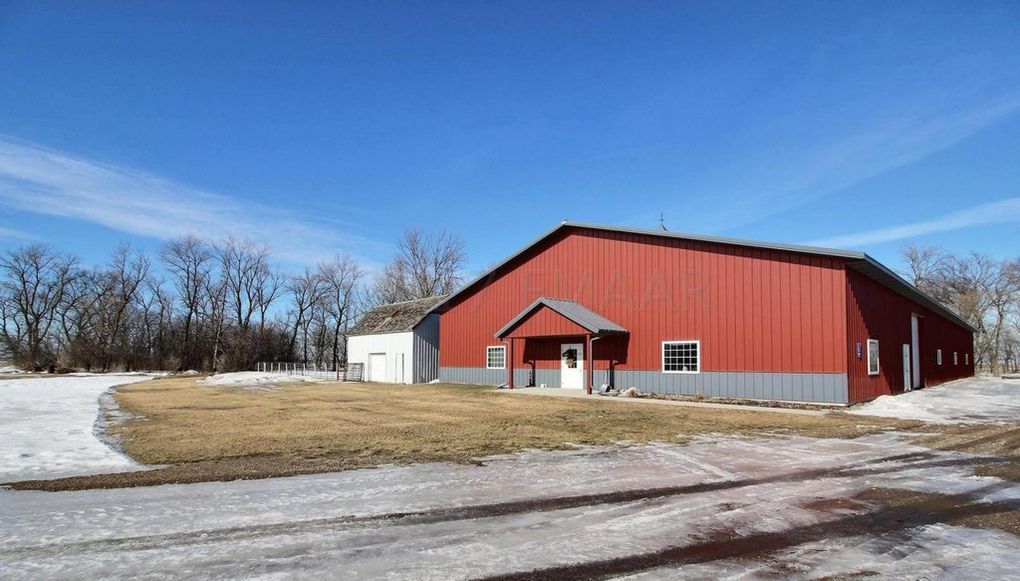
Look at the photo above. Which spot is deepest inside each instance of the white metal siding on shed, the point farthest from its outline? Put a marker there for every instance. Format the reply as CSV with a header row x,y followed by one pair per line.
x,y
388,357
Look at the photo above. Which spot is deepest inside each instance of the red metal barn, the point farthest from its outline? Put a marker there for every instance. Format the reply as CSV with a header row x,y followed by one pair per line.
x,y
588,305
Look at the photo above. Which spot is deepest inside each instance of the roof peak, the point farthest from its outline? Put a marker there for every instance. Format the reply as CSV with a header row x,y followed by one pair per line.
x,y
396,317
432,298
844,253
572,310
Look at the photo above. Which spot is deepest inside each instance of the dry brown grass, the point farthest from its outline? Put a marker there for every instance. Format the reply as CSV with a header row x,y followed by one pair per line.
x,y
980,439
1001,441
216,433
959,510
188,422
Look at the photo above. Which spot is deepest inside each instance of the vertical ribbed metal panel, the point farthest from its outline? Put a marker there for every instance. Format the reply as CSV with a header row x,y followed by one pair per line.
x,y
828,388
876,312
752,309
482,376
426,349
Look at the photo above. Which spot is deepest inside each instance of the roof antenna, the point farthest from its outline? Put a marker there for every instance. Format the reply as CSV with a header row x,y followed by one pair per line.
x,y
662,223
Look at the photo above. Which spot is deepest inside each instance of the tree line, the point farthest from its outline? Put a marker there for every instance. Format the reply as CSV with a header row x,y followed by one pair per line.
x,y
982,290
201,304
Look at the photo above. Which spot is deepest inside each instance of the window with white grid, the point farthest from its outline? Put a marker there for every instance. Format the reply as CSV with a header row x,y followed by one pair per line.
x,y
681,356
495,357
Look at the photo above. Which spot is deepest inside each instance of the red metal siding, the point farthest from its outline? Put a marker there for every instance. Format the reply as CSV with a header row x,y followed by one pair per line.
x,y
544,321
876,312
753,309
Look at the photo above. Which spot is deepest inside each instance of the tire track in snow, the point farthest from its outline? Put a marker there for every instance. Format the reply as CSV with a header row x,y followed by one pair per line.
x,y
876,466
728,544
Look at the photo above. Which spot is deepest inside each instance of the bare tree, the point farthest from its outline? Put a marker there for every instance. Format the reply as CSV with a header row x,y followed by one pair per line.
x,y
340,278
152,322
307,292
161,316
245,270
188,262
35,280
269,286
250,286
926,266
426,265
982,290
1003,297
216,290
78,319
121,284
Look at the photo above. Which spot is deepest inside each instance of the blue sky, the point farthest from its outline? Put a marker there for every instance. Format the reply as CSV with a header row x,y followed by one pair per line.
x,y
325,128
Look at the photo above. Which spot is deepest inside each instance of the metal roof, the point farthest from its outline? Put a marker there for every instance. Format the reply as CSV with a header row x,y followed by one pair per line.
x,y
715,239
395,317
583,316
860,261
881,274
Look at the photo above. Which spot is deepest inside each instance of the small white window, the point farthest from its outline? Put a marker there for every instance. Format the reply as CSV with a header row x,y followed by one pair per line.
x,y
495,357
873,367
955,360
966,358
681,356
938,357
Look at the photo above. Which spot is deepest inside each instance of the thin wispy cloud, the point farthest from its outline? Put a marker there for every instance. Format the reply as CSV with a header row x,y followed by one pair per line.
x,y
795,174
1001,212
15,234
44,181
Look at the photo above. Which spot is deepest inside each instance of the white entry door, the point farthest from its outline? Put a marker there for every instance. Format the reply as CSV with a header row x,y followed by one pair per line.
x,y
915,345
572,365
376,367
907,384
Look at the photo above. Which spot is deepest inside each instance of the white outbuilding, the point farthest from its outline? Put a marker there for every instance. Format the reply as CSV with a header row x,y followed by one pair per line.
x,y
398,342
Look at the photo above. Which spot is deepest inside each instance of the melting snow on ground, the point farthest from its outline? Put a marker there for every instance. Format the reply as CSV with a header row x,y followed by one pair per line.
x,y
254,378
546,511
720,507
935,551
47,427
973,400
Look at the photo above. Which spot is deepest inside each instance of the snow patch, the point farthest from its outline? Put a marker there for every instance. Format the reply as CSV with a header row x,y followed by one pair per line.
x,y
966,401
47,427
254,378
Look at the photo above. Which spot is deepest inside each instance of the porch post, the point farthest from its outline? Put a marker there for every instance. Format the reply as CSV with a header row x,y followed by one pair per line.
x,y
510,362
591,362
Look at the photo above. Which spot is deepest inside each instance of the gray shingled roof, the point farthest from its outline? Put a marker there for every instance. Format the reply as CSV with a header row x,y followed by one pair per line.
x,y
859,261
583,316
395,317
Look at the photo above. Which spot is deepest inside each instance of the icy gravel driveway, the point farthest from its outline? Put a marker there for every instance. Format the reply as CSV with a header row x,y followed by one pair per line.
x,y
46,427
704,510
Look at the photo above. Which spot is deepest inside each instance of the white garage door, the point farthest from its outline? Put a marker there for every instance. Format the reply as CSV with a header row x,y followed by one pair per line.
x,y
377,367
